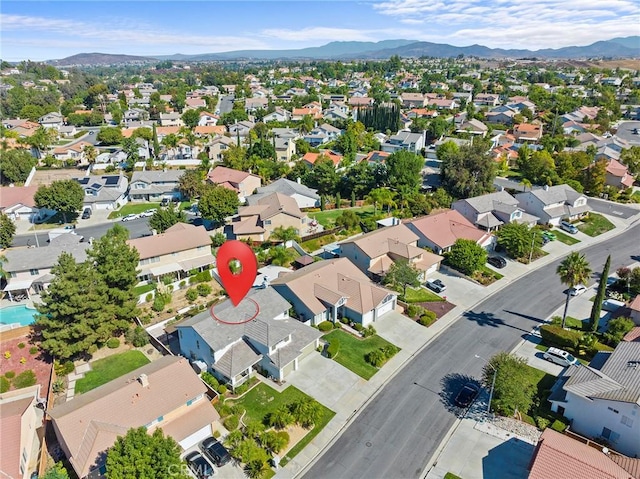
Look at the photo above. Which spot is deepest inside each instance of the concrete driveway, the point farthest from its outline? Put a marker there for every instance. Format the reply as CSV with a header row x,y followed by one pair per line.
x,y
528,351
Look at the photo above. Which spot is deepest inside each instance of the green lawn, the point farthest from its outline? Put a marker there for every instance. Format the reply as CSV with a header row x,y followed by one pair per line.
x,y
145,288
635,197
132,209
109,368
420,295
353,351
542,383
565,238
328,218
595,225
450,475
262,400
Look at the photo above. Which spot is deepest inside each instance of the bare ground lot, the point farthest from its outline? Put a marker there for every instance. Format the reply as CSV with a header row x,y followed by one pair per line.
x,y
46,177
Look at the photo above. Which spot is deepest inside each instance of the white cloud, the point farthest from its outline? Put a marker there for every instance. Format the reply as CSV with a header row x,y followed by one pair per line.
x,y
319,34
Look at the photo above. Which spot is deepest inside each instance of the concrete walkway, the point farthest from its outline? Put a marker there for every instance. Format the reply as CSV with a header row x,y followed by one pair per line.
x,y
347,394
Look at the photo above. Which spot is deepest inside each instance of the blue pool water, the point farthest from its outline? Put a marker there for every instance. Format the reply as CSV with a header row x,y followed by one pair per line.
x,y
17,314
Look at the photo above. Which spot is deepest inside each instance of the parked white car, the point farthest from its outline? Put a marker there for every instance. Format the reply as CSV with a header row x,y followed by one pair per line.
x,y
146,214
130,217
578,290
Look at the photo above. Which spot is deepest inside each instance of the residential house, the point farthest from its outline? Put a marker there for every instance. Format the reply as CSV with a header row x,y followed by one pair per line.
x,y
18,204
634,310
28,270
257,221
241,128
251,105
310,158
20,426
278,114
404,140
439,231
563,455
209,130
489,212
194,103
501,117
74,152
171,119
134,115
374,252
68,131
304,196
486,99
443,103
165,394
552,204
218,145
618,175
474,127
314,110
601,400
421,113
413,100
155,185
180,249
336,114
360,101
527,132
233,347
243,183
24,128
106,192
285,149
331,289
376,156
322,134
207,119
51,120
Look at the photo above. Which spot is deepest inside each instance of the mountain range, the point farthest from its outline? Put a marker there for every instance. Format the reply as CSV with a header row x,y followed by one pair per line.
x,y
627,47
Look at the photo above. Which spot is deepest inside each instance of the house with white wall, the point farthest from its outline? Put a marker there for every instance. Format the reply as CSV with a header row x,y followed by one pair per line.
x,y
553,204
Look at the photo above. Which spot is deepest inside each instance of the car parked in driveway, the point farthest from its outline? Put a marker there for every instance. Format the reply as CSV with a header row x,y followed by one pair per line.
x,y
466,395
559,356
497,261
199,465
215,451
549,235
130,217
436,285
86,214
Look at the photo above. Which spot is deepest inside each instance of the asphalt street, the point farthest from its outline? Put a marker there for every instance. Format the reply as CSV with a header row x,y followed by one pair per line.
x,y
398,432
226,103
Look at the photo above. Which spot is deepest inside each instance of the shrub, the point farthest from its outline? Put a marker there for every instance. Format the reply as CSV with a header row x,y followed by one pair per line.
x,y
412,310
10,374
427,318
222,389
33,350
21,345
376,358
216,434
182,284
167,280
344,320
210,379
113,343
243,388
191,294
25,379
333,348
4,384
616,329
23,360
58,385
368,331
231,423
563,338
542,422
137,336
558,425
92,349
358,327
7,354
148,297
65,368
158,303
204,289
325,326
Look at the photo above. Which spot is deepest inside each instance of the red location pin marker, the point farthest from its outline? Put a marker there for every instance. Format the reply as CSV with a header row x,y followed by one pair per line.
x,y
237,285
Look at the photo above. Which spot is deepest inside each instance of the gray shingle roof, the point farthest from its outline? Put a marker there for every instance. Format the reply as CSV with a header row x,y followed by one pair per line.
x,y
157,176
286,187
486,203
556,194
24,259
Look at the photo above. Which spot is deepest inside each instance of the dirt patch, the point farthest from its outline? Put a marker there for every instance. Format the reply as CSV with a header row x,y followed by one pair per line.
x,y
46,177
296,433
36,362
439,307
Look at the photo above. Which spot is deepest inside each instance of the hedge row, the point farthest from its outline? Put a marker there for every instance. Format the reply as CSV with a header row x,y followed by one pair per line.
x,y
563,338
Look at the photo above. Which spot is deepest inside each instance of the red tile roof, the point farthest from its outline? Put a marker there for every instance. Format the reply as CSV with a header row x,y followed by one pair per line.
x,y
313,157
23,195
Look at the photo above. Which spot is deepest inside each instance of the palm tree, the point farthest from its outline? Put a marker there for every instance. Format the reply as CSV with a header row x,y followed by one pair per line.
x,y
573,271
283,234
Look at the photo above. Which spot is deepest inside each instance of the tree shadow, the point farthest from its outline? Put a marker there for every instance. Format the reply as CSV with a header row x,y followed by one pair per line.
x,y
525,316
483,318
451,384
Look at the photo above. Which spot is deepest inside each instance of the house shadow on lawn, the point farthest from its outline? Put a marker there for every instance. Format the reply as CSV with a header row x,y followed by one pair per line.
x,y
451,386
508,460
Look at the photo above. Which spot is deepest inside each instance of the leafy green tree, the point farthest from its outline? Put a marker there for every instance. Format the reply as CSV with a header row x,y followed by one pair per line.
x,y
145,456
256,468
117,262
283,234
190,184
616,330
165,218
594,319
248,450
281,418
348,220
109,136
42,138
512,390
631,158
191,118
64,196
74,313
273,441
594,177
323,176
517,239
280,256
378,197
57,471
468,171
15,165
7,231
216,203
467,256
402,273
538,167
573,270
404,169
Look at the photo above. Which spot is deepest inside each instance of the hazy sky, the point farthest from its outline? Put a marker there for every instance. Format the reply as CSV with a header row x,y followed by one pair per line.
x,y
41,30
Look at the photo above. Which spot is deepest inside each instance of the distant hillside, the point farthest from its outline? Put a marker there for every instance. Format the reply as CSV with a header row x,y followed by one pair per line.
x,y
94,59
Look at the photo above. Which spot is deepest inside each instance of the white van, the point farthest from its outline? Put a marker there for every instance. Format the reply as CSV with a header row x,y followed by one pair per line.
x,y
559,356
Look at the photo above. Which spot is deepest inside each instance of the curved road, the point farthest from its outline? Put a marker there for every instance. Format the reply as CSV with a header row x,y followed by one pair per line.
x,y
398,432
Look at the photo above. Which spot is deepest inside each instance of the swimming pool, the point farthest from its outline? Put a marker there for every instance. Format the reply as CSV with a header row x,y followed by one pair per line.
x,y
17,314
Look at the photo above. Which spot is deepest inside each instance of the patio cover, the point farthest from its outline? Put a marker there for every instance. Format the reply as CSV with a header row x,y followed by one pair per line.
x,y
165,269
16,285
188,264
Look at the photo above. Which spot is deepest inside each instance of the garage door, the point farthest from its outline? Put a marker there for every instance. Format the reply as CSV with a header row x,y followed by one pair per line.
x,y
385,308
196,437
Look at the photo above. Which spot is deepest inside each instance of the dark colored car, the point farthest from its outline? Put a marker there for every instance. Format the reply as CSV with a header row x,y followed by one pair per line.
x,y
497,261
467,395
436,285
86,214
199,465
215,451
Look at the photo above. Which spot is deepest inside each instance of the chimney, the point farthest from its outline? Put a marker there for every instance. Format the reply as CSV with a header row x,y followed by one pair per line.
x,y
144,380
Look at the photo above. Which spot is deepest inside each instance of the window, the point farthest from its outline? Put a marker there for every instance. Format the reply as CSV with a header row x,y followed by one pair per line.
x,y
267,222
197,344
613,410
627,421
189,402
610,435
180,333
34,272
160,419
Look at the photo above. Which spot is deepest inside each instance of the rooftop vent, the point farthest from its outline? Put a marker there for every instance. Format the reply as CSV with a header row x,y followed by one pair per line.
x,y
144,380
633,364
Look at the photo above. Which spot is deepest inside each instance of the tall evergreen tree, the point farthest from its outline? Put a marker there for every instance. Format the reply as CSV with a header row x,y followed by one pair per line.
x,y
600,295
